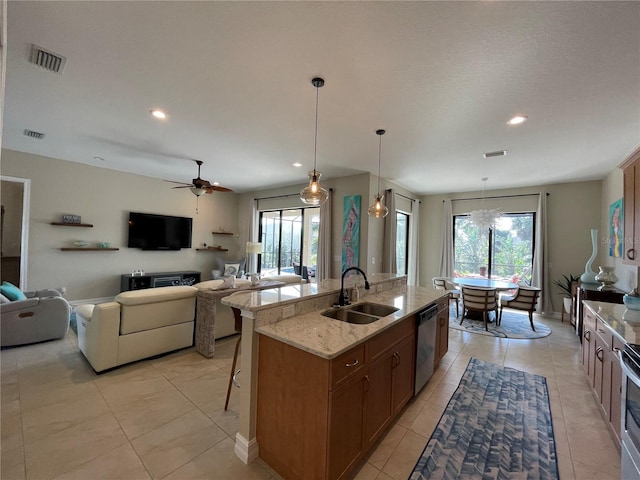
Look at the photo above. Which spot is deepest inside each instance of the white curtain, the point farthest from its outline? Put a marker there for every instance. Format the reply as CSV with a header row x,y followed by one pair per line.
x,y
323,263
252,235
540,277
389,245
446,257
413,273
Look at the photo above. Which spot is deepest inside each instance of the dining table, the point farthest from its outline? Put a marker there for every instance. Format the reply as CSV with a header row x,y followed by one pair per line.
x,y
484,283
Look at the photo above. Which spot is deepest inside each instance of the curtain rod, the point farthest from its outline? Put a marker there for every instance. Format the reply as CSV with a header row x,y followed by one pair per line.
x,y
283,196
499,196
403,196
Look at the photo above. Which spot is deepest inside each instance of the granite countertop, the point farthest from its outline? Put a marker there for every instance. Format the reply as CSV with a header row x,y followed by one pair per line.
x,y
623,322
328,338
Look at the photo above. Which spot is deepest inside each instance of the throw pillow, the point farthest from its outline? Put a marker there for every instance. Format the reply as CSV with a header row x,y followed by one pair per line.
x,y
231,269
4,299
12,292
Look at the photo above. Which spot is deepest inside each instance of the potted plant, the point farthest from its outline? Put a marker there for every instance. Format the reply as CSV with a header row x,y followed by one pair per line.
x,y
564,284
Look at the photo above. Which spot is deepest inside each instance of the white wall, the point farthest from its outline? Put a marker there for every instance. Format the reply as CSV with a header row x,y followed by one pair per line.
x,y
104,198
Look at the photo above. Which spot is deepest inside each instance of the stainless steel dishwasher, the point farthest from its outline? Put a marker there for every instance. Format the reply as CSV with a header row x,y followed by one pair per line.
x,y
425,346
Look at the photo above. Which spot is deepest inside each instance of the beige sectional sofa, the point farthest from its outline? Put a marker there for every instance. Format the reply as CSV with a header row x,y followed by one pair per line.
x,y
137,324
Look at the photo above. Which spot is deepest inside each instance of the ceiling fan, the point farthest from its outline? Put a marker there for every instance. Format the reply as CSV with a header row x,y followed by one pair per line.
x,y
199,186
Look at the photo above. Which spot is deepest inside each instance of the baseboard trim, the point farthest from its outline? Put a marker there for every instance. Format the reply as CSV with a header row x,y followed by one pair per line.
x,y
246,451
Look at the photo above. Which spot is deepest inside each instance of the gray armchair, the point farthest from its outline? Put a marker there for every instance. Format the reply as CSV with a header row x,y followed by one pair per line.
x,y
44,315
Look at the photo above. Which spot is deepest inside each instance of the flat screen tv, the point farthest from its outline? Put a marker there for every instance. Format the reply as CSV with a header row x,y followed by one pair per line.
x,y
159,232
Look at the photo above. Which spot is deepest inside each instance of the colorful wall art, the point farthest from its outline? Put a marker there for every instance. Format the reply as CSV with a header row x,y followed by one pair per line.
x,y
351,232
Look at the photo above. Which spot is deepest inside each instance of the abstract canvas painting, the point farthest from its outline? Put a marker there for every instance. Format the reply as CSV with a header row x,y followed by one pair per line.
x,y
616,228
351,231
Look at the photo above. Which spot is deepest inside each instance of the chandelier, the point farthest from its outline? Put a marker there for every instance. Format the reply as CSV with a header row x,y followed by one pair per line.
x,y
485,218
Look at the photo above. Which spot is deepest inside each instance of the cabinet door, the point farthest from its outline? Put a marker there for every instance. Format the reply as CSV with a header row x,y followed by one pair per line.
x,y
588,344
616,387
598,369
631,193
403,374
345,425
442,335
378,394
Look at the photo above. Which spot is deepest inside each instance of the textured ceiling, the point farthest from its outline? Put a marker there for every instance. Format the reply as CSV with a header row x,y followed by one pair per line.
x,y
235,77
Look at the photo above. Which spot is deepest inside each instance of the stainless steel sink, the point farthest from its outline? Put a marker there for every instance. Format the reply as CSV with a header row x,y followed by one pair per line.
x,y
361,313
374,309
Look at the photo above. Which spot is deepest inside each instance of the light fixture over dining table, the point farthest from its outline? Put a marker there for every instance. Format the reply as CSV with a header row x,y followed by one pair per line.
x,y
485,218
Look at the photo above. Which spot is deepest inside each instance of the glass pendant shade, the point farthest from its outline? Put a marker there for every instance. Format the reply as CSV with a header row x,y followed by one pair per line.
x,y
198,191
314,194
378,210
485,218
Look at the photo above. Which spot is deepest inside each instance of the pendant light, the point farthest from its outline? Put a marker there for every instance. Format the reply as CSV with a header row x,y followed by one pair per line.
x,y
378,210
485,218
314,194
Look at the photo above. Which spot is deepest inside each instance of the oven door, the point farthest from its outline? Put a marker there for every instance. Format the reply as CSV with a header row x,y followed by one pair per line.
x,y
630,419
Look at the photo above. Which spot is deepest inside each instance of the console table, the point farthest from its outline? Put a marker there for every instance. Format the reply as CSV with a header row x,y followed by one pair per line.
x,y
205,335
589,291
157,279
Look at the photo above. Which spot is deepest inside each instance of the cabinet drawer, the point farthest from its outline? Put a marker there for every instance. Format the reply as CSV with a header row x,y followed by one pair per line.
x,y
383,341
606,337
443,304
346,364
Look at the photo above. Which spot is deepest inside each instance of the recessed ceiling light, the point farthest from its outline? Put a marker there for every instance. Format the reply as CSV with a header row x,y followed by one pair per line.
x,y
297,164
517,120
156,112
497,153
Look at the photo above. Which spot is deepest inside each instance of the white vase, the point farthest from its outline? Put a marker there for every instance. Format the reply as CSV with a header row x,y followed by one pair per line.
x,y
589,276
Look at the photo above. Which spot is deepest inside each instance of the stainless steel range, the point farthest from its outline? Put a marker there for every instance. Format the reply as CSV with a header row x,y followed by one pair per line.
x,y
630,413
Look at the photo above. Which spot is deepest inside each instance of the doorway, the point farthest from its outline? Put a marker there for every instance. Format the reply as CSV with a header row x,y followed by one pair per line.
x,y
14,229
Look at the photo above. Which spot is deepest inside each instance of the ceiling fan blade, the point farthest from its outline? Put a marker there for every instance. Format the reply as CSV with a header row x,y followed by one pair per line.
x,y
181,183
184,186
218,188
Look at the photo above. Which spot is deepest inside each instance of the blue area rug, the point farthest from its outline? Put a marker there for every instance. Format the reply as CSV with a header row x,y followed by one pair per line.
x,y
497,425
514,325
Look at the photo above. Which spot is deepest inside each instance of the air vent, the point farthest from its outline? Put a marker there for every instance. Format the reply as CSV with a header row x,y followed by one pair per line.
x,y
32,134
498,153
48,60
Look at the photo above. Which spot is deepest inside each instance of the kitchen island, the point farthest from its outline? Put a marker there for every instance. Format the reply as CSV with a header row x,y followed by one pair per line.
x,y
289,320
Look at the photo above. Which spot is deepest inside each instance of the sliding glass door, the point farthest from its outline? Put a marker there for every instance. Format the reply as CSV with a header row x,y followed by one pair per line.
x,y
503,253
289,241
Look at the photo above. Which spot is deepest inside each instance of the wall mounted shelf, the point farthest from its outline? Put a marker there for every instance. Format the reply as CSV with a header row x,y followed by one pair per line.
x,y
88,249
222,233
212,249
60,224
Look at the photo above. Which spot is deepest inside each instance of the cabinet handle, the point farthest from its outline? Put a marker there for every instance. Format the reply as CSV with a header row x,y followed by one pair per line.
x,y
616,349
600,353
600,330
352,364
631,254
396,358
366,388
587,335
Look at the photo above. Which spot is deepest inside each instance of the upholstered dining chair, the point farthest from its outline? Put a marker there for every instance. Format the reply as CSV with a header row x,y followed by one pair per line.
x,y
480,300
443,283
525,298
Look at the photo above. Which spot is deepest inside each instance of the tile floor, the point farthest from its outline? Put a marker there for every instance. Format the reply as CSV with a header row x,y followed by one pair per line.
x,y
164,418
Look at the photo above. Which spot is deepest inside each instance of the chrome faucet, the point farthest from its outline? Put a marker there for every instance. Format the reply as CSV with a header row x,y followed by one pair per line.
x,y
342,300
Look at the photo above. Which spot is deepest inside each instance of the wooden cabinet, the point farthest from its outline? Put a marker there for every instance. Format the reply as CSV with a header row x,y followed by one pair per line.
x,y
600,360
631,199
317,418
442,330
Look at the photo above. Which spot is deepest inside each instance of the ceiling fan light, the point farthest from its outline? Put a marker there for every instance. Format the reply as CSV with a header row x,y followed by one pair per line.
x,y
314,194
198,191
378,210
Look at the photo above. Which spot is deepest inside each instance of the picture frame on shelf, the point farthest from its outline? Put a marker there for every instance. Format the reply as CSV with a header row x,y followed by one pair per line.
x,y
69,218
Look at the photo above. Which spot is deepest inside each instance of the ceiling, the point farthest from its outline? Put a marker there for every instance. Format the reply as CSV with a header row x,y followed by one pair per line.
x,y
235,78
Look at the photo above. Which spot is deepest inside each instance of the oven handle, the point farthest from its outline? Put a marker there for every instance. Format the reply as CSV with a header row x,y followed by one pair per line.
x,y
628,372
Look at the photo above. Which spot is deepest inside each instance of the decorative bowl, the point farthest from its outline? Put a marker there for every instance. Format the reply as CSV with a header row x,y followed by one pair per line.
x,y
80,243
632,302
104,244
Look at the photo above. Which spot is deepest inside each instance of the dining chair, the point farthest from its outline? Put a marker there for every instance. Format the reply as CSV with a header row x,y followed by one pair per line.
x,y
443,283
525,298
480,300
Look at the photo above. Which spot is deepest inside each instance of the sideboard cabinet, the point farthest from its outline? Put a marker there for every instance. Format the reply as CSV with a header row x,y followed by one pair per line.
x,y
158,279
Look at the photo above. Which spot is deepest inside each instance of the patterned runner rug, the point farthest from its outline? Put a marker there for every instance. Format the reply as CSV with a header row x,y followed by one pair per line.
x,y
497,425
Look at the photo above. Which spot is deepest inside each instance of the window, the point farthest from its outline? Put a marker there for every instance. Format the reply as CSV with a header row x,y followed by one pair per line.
x,y
503,253
402,242
289,241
